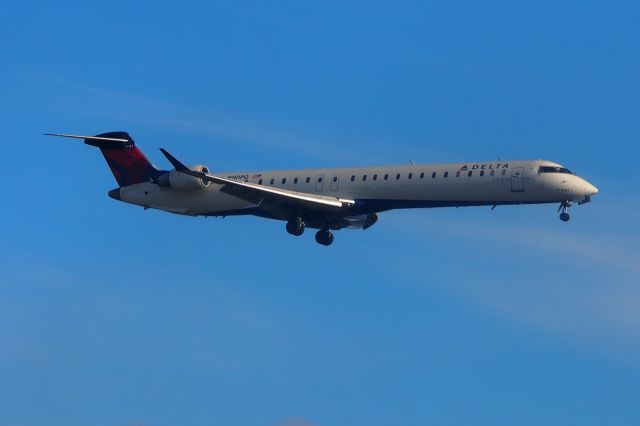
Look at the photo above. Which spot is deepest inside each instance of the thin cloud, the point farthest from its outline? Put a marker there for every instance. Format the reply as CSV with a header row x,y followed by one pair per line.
x,y
602,308
218,126
294,421
615,251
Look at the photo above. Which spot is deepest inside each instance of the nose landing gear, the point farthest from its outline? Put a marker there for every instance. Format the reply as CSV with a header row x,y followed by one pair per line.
x,y
564,206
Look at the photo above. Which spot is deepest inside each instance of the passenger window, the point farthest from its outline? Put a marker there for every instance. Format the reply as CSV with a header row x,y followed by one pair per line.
x,y
398,176
284,180
308,179
446,174
375,177
433,175
470,173
386,177
319,179
422,175
481,172
295,181
271,181
458,173
335,178
364,177
353,177
260,182
410,175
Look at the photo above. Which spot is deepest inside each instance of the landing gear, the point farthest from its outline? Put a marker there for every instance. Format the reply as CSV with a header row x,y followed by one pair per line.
x,y
564,206
324,237
295,227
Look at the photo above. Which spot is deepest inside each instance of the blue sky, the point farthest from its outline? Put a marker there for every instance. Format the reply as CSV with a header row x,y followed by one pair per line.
x,y
111,315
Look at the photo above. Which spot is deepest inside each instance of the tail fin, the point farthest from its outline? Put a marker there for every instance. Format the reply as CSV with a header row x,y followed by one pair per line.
x,y
127,163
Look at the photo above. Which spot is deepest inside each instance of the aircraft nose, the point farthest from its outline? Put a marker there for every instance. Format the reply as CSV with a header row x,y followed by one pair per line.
x,y
590,189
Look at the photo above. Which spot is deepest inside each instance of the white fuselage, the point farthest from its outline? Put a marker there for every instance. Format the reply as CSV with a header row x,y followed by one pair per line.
x,y
376,189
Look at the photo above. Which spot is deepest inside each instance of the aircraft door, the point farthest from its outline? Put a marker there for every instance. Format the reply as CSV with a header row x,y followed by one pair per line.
x,y
517,179
334,182
319,183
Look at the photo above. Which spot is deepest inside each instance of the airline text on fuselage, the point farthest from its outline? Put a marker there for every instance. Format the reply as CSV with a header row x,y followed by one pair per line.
x,y
485,166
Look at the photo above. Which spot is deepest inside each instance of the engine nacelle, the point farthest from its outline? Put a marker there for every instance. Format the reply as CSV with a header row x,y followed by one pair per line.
x,y
184,182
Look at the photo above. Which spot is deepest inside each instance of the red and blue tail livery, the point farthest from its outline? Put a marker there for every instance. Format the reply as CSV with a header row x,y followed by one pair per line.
x,y
126,161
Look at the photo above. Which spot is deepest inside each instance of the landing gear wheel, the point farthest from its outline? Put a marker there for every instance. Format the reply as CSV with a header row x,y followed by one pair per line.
x,y
295,227
324,237
564,206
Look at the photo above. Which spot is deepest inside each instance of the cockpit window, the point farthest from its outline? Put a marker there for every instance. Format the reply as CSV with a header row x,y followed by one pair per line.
x,y
553,169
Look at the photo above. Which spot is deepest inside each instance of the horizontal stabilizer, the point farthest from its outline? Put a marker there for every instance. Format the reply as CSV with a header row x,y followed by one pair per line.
x,y
63,135
106,140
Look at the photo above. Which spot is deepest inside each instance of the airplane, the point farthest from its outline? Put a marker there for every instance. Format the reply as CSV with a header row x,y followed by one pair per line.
x,y
336,198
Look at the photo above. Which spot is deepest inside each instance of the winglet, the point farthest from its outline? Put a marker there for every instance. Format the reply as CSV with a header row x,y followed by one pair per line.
x,y
174,161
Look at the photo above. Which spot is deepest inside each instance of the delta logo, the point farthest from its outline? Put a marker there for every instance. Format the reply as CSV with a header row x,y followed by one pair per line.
x,y
485,166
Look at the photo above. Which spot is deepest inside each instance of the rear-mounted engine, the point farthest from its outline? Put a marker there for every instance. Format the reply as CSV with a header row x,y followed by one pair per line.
x,y
184,182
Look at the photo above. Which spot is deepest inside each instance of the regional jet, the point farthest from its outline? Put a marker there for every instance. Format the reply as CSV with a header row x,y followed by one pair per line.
x,y
336,198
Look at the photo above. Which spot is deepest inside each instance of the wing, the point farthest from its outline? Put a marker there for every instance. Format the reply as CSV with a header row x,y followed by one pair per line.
x,y
275,201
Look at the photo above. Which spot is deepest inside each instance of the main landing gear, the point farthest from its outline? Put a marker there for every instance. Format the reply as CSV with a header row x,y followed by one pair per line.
x,y
564,206
324,237
295,227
